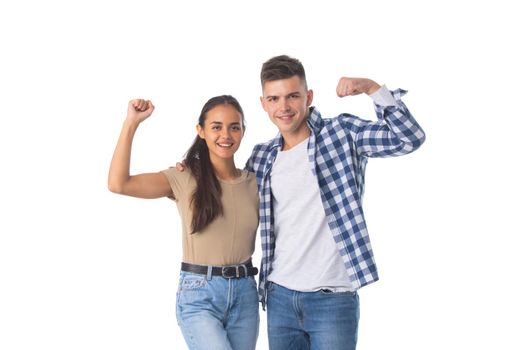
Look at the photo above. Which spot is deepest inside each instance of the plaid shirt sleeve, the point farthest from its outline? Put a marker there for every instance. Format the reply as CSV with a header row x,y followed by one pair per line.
x,y
395,133
260,163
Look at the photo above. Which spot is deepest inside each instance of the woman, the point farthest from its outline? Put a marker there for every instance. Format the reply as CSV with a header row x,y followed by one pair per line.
x,y
217,303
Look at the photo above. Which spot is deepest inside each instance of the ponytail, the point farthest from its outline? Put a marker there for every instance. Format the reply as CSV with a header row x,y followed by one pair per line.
x,y
206,199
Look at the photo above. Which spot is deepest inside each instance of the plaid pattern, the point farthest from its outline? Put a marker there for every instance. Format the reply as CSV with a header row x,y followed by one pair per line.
x,y
338,150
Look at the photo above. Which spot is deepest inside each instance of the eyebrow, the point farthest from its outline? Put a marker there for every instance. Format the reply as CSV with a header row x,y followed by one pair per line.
x,y
220,123
289,94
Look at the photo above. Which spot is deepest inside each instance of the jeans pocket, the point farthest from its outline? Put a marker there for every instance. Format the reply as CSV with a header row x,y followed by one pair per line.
x,y
253,282
190,282
192,288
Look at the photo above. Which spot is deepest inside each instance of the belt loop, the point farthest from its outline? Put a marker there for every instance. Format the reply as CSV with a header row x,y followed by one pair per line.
x,y
208,275
245,270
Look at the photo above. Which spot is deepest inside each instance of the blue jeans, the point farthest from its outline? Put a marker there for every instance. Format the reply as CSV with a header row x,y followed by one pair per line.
x,y
218,313
311,320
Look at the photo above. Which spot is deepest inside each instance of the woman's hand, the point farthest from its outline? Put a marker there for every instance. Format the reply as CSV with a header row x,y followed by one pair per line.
x,y
139,110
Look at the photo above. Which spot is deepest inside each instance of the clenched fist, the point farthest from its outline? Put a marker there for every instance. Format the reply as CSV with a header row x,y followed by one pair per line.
x,y
139,110
356,86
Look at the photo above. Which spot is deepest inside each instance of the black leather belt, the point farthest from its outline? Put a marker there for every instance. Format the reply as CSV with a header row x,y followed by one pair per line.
x,y
232,271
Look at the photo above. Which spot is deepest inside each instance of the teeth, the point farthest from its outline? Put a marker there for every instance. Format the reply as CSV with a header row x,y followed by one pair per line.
x,y
225,144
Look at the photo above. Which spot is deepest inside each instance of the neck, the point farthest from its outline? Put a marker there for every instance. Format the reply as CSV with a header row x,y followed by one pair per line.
x,y
293,139
225,169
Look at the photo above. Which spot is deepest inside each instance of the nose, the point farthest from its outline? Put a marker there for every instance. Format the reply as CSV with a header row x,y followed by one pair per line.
x,y
225,133
283,104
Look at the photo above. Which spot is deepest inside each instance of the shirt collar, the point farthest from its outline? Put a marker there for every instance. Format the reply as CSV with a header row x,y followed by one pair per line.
x,y
315,121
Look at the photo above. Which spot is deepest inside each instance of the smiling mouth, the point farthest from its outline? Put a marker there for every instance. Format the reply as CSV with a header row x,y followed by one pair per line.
x,y
225,145
285,118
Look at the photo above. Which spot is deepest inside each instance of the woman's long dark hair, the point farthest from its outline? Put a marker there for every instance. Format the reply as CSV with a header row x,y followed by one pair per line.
x,y
206,199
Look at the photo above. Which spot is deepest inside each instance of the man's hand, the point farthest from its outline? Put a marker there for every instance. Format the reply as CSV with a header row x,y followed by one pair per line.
x,y
356,86
180,166
139,110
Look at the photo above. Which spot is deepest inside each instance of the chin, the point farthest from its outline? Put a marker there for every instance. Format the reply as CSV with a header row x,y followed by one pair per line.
x,y
226,155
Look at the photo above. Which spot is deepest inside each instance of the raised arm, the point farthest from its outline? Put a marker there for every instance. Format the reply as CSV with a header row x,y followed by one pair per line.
x,y
356,86
150,185
395,133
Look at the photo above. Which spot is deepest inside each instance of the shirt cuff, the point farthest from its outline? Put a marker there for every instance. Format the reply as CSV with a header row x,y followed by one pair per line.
x,y
383,97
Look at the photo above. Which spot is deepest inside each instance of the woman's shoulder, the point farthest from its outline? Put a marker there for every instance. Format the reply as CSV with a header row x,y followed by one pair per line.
x,y
248,175
175,175
250,178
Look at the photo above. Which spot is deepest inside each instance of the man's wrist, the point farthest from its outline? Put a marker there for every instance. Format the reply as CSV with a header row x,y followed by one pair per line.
x,y
373,87
383,97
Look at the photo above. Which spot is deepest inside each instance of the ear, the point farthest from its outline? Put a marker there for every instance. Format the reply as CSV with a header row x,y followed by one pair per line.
x,y
262,102
309,97
200,131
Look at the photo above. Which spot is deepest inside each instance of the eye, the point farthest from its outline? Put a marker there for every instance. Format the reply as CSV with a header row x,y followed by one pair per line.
x,y
236,128
294,96
215,127
271,99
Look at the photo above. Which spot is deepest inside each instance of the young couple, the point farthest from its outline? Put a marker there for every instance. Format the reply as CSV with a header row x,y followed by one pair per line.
x,y
305,190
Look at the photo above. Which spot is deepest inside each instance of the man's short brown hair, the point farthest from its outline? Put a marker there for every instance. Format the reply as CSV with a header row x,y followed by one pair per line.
x,y
282,67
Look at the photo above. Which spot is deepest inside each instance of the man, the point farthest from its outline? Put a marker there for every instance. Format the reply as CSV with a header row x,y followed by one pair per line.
x,y
316,251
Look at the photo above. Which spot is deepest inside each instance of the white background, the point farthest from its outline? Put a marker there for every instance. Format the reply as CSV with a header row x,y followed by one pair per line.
x,y
82,268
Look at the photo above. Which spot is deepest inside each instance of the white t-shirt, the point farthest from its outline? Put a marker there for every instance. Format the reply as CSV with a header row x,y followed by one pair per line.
x,y
306,258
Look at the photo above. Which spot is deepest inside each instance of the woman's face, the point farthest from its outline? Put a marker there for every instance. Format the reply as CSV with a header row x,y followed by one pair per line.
x,y
223,131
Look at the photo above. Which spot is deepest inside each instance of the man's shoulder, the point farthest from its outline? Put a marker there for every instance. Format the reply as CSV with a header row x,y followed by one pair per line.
x,y
343,121
264,146
325,124
260,155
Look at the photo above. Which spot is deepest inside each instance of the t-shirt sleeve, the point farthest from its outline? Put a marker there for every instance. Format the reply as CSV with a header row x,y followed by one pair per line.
x,y
178,181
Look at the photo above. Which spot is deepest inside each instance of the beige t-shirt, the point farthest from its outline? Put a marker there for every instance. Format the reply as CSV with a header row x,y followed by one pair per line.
x,y
230,238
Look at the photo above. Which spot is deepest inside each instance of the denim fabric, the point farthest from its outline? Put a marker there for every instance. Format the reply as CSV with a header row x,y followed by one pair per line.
x,y
218,313
311,320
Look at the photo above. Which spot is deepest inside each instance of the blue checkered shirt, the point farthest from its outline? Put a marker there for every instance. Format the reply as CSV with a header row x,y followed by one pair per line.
x,y
338,150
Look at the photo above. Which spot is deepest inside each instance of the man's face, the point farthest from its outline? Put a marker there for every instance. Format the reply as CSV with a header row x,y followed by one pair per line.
x,y
286,101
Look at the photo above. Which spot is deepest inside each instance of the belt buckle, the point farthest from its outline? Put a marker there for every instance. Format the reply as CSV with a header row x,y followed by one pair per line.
x,y
230,271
